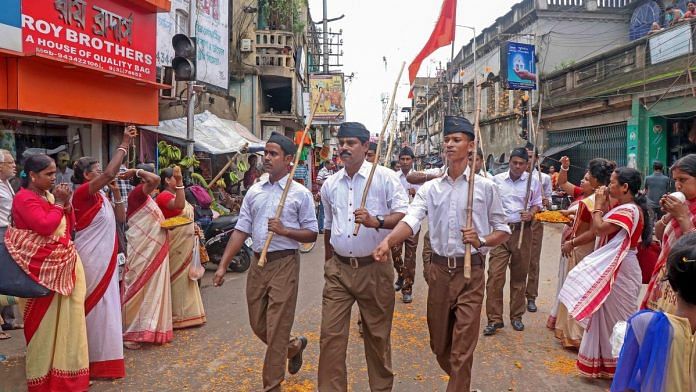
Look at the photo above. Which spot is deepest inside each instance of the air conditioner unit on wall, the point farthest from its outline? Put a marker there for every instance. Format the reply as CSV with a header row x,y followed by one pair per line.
x,y
166,76
245,45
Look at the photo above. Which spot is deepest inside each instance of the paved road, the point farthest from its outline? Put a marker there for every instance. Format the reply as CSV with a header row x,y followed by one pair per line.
x,y
225,356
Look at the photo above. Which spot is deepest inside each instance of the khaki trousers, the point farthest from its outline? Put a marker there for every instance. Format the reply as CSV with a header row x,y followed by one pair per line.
x,y
372,286
406,266
271,299
454,318
502,256
533,278
427,254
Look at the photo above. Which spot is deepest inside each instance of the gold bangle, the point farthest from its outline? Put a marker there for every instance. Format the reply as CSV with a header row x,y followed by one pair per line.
x,y
597,210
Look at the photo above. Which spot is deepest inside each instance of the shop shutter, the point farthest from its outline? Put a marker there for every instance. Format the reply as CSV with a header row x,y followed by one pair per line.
x,y
603,141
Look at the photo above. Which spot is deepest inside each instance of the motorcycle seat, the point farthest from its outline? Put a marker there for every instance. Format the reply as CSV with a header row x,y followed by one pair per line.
x,y
222,223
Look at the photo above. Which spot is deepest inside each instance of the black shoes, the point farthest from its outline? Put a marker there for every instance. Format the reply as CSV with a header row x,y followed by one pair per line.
x,y
407,298
491,328
295,363
399,284
517,325
531,306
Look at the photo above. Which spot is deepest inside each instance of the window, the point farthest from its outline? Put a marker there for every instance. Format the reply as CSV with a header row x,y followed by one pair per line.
x,y
182,22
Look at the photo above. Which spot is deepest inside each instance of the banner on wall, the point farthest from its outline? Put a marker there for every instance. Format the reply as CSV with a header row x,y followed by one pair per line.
x,y
332,104
108,35
517,66
11,25
212,38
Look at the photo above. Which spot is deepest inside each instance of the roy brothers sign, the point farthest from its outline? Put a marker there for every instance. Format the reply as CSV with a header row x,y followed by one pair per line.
x,y
109,35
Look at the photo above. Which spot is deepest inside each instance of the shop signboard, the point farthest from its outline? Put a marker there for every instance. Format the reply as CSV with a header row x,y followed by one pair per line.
x,y
517,66
108,35
332,104
212,42
11,25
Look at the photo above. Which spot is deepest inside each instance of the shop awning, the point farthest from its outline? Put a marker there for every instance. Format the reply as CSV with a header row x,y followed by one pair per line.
x,y
211,134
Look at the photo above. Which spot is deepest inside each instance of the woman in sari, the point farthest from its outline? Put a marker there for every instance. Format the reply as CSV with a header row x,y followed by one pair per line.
x,y
146,298
187,304
39,241
658,349
580,243
603,289
679,220
97,245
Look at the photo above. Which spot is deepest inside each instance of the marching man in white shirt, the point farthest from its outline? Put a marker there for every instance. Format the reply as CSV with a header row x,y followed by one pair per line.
x,y
271,291
350,272
512,186
405,261
454,303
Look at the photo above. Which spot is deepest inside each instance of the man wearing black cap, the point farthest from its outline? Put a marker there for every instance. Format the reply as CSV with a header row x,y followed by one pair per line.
x,y
454,303
537,231
406,265
512,186
371,153
272,290
350,272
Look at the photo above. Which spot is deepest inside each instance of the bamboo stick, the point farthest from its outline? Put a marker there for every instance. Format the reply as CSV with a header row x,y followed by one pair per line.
x,y
291,175
221,172
470,191
391,143
379,146
532,136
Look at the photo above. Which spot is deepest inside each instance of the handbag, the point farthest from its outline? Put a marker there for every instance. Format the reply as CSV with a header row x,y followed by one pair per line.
x,y
14,281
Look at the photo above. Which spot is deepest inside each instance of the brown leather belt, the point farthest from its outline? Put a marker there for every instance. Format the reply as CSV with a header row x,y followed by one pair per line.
x,y
456,262
355,262
277,255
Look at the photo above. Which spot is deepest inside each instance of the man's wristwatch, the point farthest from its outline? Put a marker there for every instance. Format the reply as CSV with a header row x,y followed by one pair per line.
x,y
380,219
482,242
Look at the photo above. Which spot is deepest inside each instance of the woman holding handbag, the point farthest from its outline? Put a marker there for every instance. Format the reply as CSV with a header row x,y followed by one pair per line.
x,y
97,246
39,241
187,304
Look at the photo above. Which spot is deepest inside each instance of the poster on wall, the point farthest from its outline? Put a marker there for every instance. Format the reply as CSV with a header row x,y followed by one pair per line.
x,y
11,25
109,35
211,20
517,66
332,103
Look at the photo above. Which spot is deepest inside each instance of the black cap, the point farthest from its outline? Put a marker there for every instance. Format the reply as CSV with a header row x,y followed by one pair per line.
x,y
373,147
284,142
407,151
520,152
354,129
454,124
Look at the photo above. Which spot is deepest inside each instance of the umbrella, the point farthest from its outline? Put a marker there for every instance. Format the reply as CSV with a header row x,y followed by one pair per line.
x,y
559,149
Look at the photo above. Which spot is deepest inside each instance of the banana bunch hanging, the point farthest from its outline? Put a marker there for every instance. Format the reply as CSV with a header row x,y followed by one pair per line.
x,y
171,155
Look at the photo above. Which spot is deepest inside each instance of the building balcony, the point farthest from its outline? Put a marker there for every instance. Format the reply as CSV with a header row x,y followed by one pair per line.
x,y
275,53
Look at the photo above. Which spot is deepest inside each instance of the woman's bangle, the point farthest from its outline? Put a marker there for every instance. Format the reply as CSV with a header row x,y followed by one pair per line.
x,y
119,202
564,169
662,220
598,210
137,172
125,151
180,187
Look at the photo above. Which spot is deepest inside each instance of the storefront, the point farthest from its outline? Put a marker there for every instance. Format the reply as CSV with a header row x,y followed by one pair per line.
x,y
72,72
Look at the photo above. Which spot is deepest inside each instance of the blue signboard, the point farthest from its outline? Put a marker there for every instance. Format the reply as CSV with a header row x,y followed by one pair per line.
x,y
11,25
517,66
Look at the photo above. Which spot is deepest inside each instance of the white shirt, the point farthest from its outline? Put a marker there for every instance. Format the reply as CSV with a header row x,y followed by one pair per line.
x,y
444,201
260,204
341,196
513,194
6,197
545,184
404,183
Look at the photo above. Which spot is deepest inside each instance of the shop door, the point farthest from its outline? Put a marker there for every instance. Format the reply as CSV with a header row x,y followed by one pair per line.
x,y
603,141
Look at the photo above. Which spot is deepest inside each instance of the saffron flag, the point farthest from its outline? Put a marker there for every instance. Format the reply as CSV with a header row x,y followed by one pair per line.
x,y
443,34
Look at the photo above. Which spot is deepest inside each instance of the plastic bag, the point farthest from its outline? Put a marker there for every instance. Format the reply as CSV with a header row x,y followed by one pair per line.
x,y
196,269
617,338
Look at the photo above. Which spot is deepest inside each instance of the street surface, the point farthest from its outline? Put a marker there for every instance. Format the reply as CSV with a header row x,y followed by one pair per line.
x,y
224,355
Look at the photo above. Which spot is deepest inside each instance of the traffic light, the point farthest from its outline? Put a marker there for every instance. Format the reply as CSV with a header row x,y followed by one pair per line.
x,y
524,120
184,61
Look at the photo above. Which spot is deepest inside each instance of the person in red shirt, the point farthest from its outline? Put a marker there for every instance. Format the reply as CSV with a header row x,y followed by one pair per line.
x,y
187,304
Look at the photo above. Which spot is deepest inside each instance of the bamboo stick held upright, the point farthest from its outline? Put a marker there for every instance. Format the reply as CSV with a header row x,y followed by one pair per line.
x,y
532,135
379,145
391,143
470,190
291,175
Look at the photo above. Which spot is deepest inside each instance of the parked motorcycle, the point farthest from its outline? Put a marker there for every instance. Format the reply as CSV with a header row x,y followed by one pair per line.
x,y
217,235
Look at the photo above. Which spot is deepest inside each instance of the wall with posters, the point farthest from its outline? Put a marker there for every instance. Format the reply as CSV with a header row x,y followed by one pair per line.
x,y
332,103
212,37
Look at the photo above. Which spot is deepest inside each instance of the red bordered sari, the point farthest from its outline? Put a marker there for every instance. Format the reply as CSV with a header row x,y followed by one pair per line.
x,y
97,244
660,295
146,298
603,290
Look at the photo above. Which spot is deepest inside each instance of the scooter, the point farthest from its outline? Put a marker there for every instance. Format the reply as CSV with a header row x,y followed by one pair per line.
x,y
218,233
